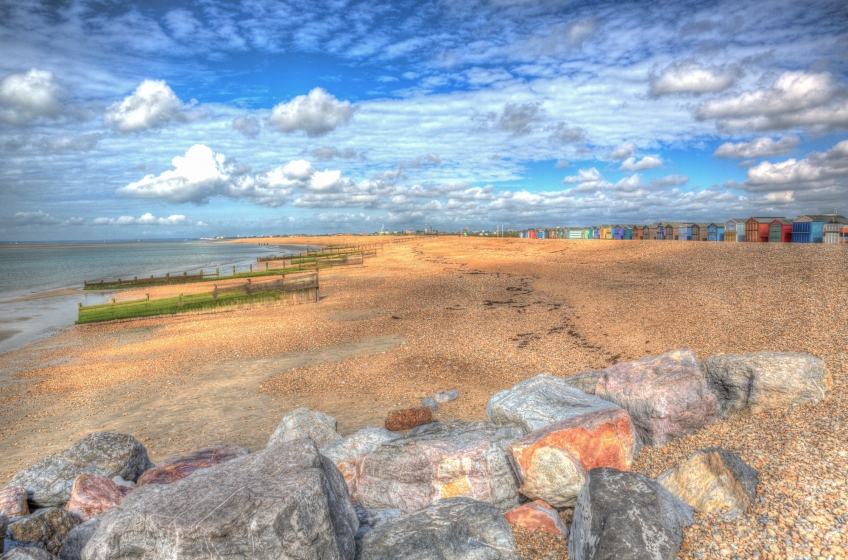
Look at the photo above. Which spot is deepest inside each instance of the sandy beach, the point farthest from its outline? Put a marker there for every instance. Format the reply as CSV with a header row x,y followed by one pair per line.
x,y
477,315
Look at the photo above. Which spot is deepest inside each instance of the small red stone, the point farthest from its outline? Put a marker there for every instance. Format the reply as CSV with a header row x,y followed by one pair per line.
x,y
409,418
537,516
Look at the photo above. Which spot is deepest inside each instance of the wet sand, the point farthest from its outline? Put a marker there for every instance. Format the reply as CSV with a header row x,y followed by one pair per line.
x,y
477,315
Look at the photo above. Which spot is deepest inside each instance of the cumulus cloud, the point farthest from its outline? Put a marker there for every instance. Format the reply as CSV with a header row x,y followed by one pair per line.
x,y
147,219
689,76
153,104
588,175
561,164
516,118
247,125
758,147
202,174
315,114
817,170
561,132
796,99
26,97
622,151
647,162
40,218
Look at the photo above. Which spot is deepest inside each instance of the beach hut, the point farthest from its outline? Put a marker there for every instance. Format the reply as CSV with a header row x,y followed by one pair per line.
x,y
596,232
810,229
661,232
734,230
575,233
627,232
649,232
757,228
695,231
833,229
720,233
703,231
618,232
712,232
780,231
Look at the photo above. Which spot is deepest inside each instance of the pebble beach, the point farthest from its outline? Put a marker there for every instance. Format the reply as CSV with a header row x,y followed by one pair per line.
x,y
475,315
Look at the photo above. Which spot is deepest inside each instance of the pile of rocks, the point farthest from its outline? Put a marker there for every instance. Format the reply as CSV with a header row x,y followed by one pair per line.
x,y
441,491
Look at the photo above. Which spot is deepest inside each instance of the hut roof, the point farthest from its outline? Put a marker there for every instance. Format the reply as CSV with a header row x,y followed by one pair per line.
x,y
819,217
765,219
736,220
783,221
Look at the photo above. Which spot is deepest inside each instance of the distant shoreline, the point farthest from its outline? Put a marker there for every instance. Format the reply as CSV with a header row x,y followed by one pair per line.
x,y
115,244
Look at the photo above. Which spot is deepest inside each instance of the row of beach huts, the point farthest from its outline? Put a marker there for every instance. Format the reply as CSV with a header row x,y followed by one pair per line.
x,y
820,228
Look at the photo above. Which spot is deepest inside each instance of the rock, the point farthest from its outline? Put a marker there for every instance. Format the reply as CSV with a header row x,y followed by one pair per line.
x,y
666,395
443,461
347,452
713,480
27,553
13,502
409,418
747,384
77,539
176,468
93,494
430,403
305,422
586,381
373,518
46,528
540,401
537,516
446,396
626,516
552,462
286,501
455,528
4,522
49,482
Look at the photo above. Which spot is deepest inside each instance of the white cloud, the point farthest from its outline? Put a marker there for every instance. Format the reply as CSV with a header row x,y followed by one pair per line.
x,y
647,162
26,97
329,152
796,99
584,176
153,104
41,219
622,151
817,170
689,76
669,181
247,125
202,174
316,113
758,147
147,219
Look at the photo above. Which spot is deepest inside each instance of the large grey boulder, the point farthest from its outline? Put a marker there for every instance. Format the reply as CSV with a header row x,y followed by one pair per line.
x,y
626,516
348,451
666,395
49,482
747,384
27,553
305,422
540,401
77,539
451,529
440,461
286,501
46,528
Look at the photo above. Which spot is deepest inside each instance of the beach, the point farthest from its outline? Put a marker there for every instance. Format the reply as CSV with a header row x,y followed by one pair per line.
x,y
477,315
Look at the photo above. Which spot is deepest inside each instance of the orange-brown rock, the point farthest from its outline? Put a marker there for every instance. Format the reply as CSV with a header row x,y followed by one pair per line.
x,y
409,418
537,516
13,502
552,462
176,468
92,494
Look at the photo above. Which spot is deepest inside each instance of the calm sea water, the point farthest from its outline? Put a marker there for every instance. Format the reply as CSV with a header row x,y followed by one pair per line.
x,y
27,271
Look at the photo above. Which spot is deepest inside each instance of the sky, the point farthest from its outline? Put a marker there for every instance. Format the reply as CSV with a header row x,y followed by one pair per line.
x,y
123,120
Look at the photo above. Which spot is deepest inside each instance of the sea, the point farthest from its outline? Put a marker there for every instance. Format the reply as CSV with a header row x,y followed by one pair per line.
x,y
41,284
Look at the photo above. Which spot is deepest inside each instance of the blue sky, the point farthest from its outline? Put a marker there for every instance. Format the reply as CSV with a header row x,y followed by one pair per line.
x,y
187,119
